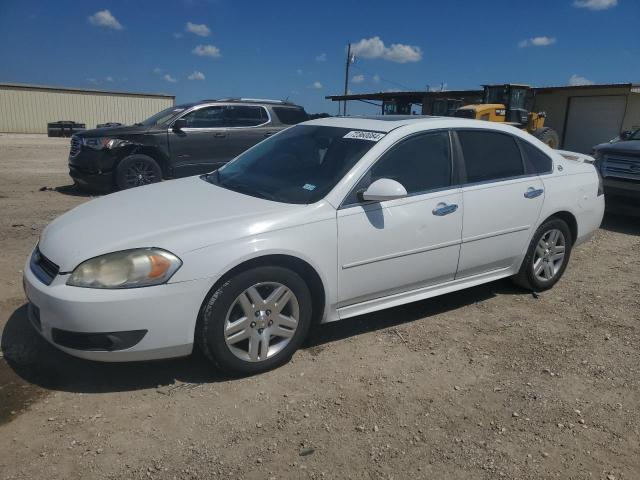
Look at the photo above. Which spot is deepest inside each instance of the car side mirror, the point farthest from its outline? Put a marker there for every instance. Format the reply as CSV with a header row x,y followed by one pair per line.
x,y
384,189
179,124
625,135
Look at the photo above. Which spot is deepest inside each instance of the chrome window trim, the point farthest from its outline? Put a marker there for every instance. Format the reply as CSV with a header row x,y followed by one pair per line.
x,y
218,104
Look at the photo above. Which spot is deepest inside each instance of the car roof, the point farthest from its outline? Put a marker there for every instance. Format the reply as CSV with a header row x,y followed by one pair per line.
x,y
386,123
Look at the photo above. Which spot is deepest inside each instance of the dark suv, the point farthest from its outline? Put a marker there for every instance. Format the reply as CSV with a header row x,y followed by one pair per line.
x,y
183,140
619,164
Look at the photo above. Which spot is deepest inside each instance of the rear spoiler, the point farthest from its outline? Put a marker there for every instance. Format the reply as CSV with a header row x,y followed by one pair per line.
x,y
576,157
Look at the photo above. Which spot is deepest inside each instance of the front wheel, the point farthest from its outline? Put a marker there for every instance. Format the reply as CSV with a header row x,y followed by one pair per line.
x,y
255,321
137,170
547,256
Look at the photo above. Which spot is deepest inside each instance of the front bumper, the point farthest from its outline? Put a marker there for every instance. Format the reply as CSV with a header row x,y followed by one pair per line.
x,y
93,169
92,181
168,313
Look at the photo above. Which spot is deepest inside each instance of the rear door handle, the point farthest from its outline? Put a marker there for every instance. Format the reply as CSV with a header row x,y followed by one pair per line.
x,y
268,134
533,192
443,209
219,135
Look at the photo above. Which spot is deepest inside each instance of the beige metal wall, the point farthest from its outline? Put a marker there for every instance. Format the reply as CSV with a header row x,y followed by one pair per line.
x,y
28,110
556,102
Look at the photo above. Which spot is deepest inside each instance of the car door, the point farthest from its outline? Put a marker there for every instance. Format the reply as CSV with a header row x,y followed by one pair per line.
x,y
248,125
406,243
502,201
201,146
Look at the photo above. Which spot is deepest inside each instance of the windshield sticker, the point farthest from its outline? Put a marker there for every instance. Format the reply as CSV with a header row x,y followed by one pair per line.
x,y
308,186
363,135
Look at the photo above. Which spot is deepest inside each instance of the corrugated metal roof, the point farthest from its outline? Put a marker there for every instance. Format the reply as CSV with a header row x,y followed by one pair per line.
x,y
81,90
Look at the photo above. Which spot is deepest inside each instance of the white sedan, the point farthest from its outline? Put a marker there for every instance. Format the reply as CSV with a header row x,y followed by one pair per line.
x,y
326,220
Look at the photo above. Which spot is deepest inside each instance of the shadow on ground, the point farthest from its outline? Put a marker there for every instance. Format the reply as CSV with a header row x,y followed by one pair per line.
x,y
35,362
73,191
626,224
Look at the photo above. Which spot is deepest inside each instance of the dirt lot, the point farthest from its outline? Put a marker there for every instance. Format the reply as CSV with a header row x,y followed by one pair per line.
x,y
482,384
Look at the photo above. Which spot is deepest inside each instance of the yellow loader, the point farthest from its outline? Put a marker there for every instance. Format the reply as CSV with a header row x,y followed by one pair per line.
x,y
509,103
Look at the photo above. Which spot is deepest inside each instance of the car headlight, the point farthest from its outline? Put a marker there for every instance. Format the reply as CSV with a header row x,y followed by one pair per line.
x,y
98,143
141,267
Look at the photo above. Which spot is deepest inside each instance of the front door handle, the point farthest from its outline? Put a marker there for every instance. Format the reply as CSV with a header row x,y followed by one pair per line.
x,y
533,192
443,209
219,134
268,134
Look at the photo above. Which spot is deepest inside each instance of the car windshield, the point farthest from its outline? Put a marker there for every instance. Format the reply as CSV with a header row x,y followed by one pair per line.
x,y
299,165
162,117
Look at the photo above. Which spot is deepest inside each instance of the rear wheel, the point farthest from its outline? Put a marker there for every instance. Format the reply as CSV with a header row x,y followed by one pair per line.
x,y
137,170
548,136
547,256
255,321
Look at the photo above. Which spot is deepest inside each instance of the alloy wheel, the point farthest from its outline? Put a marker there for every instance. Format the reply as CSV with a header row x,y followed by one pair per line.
x,y
261,321
140,173
549,255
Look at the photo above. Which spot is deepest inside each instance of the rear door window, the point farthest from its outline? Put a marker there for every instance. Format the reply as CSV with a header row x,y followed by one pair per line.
x,y
490,155
246,116
536,161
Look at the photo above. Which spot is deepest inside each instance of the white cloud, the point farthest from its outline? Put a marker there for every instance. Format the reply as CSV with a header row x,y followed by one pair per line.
x,y
103,18
374,47
177,35
299,71
207,51
316,85
321,58
198,29
109,79
376,78
93,81
157,70
196,75
357,78
170,79
595,4
537,42
576,79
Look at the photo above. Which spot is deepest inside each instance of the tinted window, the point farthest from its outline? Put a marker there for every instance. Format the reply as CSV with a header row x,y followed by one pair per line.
x,y
299,165
207,117
246,116
490,155
536,160
290,116
420,163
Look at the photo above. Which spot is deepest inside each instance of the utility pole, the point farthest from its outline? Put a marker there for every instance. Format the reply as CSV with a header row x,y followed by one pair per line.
x,y
346,79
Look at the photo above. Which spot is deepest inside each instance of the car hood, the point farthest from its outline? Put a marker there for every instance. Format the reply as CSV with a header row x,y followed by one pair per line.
x,y
626,146
114,131
178,215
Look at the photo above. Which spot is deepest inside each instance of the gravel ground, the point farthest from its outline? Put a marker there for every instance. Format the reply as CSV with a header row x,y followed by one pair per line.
x,y
488,383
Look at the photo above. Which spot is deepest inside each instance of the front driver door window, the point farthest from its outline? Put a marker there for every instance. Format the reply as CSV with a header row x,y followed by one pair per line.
x,y
202,145
403,244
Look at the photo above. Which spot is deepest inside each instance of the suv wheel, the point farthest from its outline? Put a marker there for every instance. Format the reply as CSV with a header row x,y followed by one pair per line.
x,y
547,256
255,321
137,170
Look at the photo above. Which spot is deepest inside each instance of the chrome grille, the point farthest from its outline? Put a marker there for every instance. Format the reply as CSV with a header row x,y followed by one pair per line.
x,y
43,268
621,166
75,146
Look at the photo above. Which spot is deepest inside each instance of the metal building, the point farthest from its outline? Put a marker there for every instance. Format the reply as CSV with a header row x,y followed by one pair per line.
x,y
583,115
28,108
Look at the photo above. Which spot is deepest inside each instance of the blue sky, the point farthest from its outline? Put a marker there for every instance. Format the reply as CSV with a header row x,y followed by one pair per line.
x,y
198,49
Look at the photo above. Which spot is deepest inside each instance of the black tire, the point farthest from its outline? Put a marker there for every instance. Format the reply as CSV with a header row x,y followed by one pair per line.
x,y
526,277
548,136
137,170
210,335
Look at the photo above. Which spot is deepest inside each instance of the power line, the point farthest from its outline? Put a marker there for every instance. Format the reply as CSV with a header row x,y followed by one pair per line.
x,y
357,67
